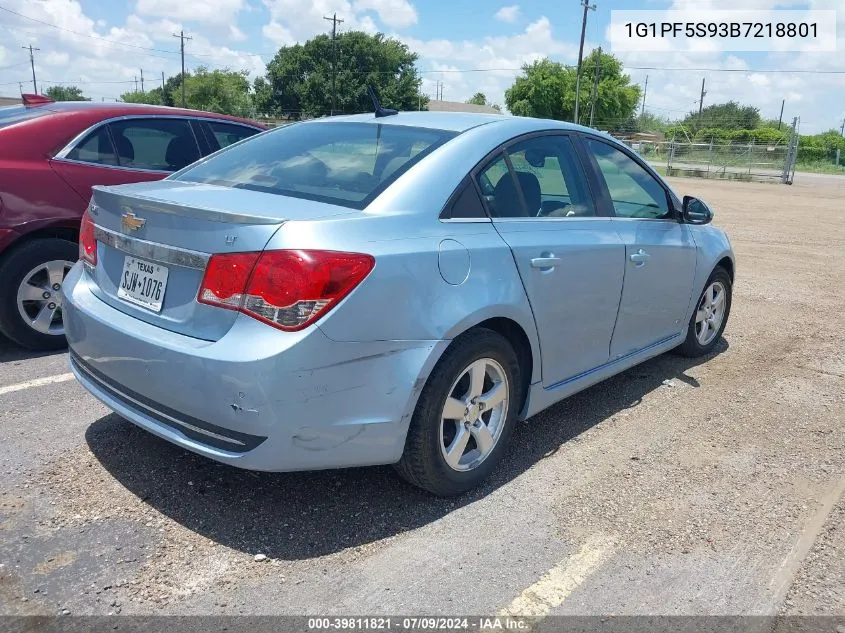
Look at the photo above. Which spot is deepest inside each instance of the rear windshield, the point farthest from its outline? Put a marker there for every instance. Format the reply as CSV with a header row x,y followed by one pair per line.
x,y
347,164
17,113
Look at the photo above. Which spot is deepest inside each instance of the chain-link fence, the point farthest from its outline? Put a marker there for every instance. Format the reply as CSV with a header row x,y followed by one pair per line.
x,y
749,161
732,161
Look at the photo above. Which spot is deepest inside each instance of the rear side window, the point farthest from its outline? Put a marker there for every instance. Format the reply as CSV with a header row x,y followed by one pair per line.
x,y
155,144
95,148
347,164
12,114
226,134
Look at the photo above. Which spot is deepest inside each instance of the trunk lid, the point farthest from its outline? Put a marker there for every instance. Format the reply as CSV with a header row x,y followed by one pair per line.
x,y
155,240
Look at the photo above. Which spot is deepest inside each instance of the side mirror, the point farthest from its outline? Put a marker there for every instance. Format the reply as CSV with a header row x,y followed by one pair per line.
x,y
696,212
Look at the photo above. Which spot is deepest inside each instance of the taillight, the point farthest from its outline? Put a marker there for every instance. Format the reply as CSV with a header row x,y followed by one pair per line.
x,y
289,290
87,241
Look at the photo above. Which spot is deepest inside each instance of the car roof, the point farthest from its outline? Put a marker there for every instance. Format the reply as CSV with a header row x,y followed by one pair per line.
x,y
454,121
118,109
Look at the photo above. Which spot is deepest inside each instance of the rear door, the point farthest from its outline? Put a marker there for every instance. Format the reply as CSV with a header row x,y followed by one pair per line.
x,y
128,150
570,259
94,161
660,253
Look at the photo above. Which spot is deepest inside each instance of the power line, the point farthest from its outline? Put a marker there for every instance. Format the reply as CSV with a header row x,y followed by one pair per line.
x,y
88,35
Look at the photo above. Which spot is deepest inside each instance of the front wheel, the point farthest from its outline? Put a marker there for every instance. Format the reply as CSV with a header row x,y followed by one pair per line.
x,y
710,317
465,415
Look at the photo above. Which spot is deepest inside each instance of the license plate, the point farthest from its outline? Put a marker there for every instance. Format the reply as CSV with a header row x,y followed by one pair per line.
x,y
143,283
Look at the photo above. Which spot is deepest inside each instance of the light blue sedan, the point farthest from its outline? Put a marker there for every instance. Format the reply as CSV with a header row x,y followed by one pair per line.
x,y
387,290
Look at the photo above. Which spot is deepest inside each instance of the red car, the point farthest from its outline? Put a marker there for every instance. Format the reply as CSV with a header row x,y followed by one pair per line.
x,y
51,154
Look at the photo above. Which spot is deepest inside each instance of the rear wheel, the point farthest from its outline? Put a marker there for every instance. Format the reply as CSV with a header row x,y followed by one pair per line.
x,y
31,279
465,415
710,317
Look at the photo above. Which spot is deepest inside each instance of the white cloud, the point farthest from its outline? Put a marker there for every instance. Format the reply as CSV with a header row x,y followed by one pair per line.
x,y
204,11
293,21
397,14
498,60
509,15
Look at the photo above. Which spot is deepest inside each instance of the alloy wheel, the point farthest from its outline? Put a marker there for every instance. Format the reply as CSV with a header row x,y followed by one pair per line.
x,y
474,414
710,313
40,297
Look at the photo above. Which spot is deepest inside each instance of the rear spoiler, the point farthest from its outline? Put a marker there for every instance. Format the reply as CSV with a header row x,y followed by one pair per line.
x,y
33,100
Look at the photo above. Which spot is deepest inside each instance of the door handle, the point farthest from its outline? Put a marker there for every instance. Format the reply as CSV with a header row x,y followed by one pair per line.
x,y
640,257
545,263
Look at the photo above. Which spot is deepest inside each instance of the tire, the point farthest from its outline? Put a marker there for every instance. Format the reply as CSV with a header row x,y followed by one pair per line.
x,y
39,264
424,461
695,344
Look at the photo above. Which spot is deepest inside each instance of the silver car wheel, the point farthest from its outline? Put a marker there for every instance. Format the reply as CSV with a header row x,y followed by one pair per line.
x,y
40,297
474,414
710,313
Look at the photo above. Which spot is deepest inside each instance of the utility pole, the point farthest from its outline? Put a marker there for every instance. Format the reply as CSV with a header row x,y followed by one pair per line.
x,y
142,80
32,63
595,94
136,83
587,7
780,119
162,84
334,20
842,129
701,101
645,92
182,37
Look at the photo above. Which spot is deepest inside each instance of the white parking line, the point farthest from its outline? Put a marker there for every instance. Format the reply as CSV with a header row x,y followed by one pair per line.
x,y
38,382
560,581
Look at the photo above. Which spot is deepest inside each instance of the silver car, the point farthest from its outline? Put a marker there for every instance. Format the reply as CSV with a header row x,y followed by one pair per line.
x,y
386,290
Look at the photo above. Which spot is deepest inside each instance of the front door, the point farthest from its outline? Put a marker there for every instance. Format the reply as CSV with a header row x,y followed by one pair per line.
x,y
660,253
571,261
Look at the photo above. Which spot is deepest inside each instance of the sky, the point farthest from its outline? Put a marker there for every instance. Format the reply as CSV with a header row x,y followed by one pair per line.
x,y
469,45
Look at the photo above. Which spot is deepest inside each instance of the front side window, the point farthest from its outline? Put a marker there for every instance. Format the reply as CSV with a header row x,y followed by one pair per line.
x,y
154,144
347,164
635,192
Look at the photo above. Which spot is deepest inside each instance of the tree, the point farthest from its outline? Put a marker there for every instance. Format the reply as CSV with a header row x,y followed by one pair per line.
x,y
151,97
224,91
299,78
547,89
651,123
65,93
479,98
727,116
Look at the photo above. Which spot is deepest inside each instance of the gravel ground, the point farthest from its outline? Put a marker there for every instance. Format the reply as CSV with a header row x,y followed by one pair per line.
x,y
711,486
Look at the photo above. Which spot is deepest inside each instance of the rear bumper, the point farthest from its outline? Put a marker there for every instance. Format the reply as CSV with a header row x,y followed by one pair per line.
x,y
257,398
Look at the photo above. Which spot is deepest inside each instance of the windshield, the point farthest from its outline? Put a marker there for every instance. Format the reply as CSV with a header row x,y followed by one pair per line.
x,y
347,164
17,113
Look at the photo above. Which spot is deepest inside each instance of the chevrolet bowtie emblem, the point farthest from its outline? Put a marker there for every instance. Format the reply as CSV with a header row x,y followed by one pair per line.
x,y
131,222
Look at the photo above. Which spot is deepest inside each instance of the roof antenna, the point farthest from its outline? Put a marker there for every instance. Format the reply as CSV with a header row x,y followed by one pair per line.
x,y
379,109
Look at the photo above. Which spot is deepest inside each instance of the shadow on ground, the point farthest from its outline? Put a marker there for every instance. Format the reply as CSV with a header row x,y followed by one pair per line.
x,y
301,515
11,352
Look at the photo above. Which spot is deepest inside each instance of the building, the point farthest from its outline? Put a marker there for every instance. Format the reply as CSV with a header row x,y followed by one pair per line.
x,y
5,101
457,106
